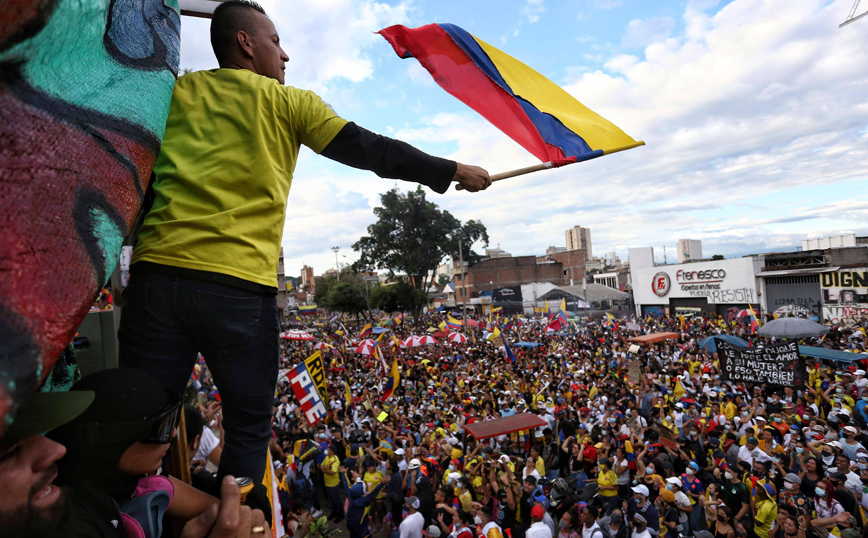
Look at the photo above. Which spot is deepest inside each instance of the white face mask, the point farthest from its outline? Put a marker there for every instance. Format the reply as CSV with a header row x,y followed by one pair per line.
x,y
790,485
477,520
728,475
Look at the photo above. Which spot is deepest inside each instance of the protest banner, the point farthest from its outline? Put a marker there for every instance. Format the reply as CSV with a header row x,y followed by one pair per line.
x,y
777,364
635,427
668,438
308,383
634,375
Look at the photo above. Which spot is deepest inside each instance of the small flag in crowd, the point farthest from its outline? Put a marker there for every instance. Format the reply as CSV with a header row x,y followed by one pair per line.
x,y
366,330
392,382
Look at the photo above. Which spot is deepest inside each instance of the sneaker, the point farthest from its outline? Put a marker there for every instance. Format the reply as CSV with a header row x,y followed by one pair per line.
x,y
316,514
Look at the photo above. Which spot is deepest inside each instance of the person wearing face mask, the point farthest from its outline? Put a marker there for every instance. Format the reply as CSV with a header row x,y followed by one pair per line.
x,y
613,525
641,504
682,502
849,444
607,484
486,528
566,526
735,494
791,495
692,486
826,505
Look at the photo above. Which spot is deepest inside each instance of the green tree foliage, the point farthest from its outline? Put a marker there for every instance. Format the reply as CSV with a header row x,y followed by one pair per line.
x,y
398,297
443,280
717,257
412,236
346,295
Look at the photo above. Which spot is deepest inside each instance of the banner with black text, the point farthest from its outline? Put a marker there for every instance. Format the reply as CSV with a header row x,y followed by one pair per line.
x,y
777,364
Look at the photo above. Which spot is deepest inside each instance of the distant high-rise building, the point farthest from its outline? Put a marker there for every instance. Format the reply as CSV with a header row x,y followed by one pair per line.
x,y
689,250
579,238
308,282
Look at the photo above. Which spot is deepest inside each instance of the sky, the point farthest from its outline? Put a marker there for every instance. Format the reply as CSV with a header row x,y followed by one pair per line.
x,y
754,112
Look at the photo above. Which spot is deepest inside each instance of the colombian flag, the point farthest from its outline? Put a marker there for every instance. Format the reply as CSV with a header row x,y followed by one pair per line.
x,y
754,322
562,315
532,110
508,326
366,330
392,382
509,354
452,323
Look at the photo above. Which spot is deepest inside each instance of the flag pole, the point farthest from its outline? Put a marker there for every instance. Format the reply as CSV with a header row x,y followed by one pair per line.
x,y
517,172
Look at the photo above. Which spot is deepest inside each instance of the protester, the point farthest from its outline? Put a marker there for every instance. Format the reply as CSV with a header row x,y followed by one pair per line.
x,y
203,274
680,467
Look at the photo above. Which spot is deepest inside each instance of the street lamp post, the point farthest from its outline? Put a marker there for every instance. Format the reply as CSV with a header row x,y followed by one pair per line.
x,y
460,233
337,264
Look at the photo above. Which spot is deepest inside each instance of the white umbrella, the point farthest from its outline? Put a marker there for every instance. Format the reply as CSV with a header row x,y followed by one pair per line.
x,y
458,338
425,340
296,335
366,347
323,345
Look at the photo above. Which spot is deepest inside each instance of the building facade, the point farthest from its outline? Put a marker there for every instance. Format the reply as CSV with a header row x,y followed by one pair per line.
x,y
689,250
579,238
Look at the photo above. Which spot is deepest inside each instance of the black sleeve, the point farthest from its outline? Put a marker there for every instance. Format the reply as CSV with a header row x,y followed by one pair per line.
x,y
389,158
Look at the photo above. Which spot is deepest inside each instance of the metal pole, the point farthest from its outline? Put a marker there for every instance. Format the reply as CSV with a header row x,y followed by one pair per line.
x,y
337,264
463,282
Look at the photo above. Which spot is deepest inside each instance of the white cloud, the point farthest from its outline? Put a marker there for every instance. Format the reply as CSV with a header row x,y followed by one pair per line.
x,y
532,10
642,32
330,40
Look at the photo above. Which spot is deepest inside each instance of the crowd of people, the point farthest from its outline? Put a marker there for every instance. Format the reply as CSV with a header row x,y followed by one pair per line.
x,y
681,452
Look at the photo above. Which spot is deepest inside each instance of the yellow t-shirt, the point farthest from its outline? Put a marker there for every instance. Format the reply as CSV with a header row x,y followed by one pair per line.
x,y
224,172
372,479
766,513
332,464
609,478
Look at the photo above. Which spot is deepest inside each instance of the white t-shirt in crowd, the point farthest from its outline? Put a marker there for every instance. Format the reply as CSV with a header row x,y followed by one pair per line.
x,y
412,526
207,445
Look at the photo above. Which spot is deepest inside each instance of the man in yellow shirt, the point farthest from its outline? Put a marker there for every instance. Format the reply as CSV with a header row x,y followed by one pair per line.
x,y
329,467
203,275
766,510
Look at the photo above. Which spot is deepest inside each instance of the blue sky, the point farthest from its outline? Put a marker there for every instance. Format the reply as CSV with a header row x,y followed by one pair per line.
x,y
755,115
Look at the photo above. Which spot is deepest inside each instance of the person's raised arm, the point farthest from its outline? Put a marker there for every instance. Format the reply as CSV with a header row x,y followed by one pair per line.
x,y
388,158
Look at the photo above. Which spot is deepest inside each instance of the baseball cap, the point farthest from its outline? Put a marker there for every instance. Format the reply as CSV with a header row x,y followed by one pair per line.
x,y
44,411
412,501
793,477
537,512
752,440
641,489
668,495
399,452
433,531
675,481
414,464
850,429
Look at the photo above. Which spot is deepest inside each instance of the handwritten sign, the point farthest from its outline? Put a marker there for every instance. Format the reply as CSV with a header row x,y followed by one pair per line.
x,y
634,375
667,438
635,427
777,364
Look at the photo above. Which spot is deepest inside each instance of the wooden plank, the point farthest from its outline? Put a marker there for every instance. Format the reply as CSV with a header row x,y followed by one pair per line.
x,y
199,8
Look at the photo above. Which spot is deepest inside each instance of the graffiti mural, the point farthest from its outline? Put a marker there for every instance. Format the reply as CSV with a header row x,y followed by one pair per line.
x,y
845,296
85,87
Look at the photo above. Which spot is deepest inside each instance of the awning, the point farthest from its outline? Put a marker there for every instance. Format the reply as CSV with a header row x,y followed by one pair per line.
x,y
797,272
654,338
831,354
503,426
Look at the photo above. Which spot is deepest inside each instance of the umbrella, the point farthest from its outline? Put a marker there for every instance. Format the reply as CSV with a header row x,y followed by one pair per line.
x,y
441,334
380,330
432,329
526,344
296,335
366,347
425,340
709,345
323,345
792,328
458,338
743,313
472,323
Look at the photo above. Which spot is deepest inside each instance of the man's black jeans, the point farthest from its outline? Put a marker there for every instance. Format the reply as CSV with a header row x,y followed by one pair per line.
x,y
166,320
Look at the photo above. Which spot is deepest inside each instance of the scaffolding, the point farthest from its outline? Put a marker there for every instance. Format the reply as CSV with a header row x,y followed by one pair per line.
x,y
852,17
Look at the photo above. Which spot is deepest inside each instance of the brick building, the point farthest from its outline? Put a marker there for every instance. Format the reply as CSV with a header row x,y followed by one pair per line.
x,y
515,271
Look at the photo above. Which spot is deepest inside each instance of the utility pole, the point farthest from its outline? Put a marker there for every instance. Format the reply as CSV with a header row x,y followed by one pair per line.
x,y
460,233
337,264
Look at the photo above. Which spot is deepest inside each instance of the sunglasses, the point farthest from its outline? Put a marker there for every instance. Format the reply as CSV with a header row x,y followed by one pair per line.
x,y
157,427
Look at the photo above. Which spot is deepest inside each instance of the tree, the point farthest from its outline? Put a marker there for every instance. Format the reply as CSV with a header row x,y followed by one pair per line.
x,y
412,236
346,295
443,280
717,257
398,298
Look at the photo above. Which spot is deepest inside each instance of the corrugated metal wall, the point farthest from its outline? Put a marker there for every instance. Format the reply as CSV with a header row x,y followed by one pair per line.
x,y
786,294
